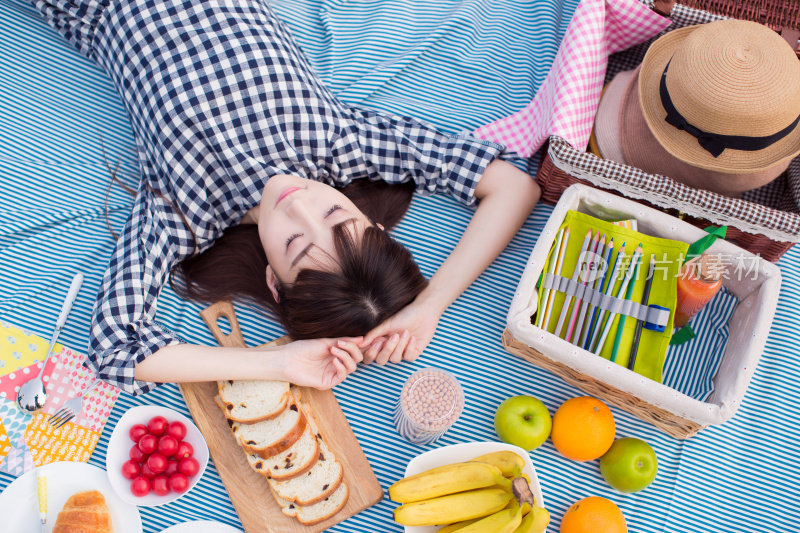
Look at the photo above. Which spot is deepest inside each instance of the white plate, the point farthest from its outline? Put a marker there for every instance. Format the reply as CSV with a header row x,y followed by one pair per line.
x,y
19,505
457,453
119,447
202,526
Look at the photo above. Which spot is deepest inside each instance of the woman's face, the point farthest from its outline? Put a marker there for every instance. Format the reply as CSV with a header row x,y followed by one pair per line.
x,y
295,222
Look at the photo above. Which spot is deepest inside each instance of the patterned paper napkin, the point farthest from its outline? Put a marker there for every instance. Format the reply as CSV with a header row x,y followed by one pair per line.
x,y
28,441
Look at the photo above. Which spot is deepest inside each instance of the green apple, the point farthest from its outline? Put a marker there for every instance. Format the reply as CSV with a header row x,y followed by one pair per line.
x,y
523,421
630,465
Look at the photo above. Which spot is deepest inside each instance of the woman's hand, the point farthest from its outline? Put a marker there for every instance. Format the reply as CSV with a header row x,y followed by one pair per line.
x,y
320,363
402,337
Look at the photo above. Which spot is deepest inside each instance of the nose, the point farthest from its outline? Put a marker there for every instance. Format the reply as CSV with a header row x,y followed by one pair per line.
x,y
300,210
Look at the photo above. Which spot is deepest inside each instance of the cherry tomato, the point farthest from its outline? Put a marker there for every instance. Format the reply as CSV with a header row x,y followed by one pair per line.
x,y
158,463
136,432
184,450
140,486
172,467
146,472
157,425
177,430
161,485
167,445
136,454
131,469
148,444
189,466
178,482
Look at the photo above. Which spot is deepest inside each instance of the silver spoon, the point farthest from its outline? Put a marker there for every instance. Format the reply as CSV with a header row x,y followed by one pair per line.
x,y
31,395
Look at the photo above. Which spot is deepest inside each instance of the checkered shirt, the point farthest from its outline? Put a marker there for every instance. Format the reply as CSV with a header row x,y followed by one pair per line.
x,y
221,98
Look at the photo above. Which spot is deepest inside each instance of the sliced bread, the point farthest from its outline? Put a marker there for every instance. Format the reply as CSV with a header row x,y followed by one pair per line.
x,y
293,461
253,401
315,485
270,437
317,512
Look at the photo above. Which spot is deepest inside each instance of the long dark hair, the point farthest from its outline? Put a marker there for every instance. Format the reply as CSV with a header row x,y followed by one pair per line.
x,y
377,275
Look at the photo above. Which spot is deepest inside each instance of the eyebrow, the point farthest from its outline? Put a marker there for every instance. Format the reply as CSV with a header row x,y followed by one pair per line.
x,y
307,249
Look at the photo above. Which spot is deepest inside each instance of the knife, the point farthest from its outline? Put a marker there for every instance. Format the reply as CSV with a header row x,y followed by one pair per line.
x,y
41,489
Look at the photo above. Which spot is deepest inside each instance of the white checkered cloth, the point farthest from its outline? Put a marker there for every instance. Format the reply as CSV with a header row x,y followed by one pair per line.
x,y
221,98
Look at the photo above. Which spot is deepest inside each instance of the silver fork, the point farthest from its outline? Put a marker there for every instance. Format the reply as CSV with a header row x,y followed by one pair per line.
x,y
71,408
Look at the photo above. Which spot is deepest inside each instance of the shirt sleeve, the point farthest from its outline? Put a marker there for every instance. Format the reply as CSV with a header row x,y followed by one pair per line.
x,y
399,149
124,331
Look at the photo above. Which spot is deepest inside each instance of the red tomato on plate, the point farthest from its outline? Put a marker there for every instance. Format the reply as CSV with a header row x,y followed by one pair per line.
x,y
136,454
161,485
172,467
178,482
157,463
131,469
177,430
184,450
148,444
137,432
167,445
157,425
140,486
189,466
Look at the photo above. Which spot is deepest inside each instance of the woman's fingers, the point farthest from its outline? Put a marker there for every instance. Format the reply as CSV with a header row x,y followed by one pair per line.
x,y
352,348
345,358
378,331
372,352
397,353
412,350
388,349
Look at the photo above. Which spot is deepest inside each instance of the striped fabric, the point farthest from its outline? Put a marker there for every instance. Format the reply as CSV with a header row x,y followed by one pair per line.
x,y
690,367
431,62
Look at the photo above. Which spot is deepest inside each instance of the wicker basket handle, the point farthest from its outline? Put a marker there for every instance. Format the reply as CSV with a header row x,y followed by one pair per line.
x,y
663,7
783,16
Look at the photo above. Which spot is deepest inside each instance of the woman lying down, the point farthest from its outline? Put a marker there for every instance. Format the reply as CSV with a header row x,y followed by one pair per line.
x,y
258,182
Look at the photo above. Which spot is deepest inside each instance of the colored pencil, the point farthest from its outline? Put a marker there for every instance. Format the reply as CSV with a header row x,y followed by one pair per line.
x,y
575,275
609,279
637,335
596,245
561,245
637,254
624,318
551,266
587,306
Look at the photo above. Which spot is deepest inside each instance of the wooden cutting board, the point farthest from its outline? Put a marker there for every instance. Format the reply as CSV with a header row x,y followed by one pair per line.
x,y
248,490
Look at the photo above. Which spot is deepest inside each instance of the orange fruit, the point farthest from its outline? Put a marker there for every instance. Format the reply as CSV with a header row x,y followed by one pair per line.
x,y
594,515
583,429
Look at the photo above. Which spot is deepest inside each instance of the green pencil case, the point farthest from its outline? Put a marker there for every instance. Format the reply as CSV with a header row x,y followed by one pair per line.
x,y
667,256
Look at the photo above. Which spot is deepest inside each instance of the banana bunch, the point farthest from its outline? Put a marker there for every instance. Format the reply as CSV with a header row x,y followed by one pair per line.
x,y
486,495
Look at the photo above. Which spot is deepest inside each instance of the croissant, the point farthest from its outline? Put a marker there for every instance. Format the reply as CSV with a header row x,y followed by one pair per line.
x,y
84,512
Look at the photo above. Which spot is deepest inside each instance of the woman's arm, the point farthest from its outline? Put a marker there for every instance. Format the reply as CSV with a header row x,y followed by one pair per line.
x,y
319,363
506,197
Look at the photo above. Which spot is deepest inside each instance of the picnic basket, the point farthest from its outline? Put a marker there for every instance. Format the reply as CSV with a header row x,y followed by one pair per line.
x,y
765,221
670,410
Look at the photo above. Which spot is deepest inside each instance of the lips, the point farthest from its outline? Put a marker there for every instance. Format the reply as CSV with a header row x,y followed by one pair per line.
x,y
286,193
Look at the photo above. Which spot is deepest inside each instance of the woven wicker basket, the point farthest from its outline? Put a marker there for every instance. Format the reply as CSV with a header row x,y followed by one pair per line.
x,y
668,409
765,221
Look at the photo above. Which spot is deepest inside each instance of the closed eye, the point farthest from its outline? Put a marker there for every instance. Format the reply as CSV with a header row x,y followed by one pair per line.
x,y
293,237
332,210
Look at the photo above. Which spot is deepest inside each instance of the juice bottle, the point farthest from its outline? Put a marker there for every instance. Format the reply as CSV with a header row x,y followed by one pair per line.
x,y
701,279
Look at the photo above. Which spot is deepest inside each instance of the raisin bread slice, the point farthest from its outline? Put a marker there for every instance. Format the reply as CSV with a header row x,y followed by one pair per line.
x,y
315,485
294,461
253,401
317,512
270,437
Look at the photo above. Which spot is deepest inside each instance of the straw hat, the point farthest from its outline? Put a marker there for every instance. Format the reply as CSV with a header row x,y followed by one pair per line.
x,y
735,85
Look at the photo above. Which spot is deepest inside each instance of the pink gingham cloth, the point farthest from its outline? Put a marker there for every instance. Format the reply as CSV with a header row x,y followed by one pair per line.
x,y
566,103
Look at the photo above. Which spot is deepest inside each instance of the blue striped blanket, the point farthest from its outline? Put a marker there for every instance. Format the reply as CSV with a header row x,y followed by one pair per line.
x,y
458,64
